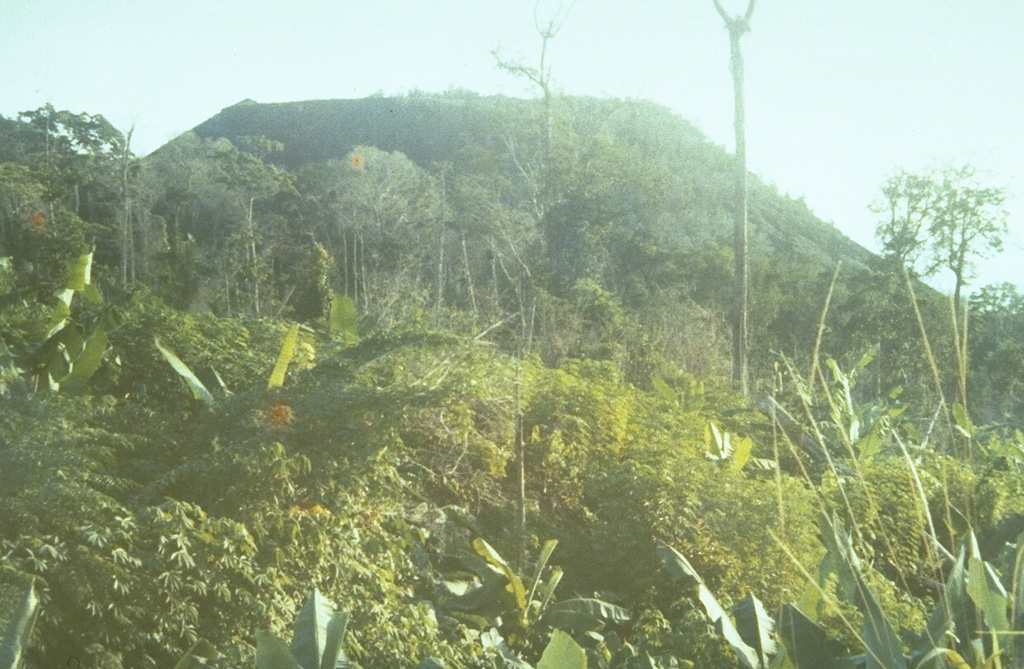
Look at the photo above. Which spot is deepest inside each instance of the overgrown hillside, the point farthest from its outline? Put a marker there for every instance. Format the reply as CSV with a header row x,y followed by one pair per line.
x,y
434,129
387,353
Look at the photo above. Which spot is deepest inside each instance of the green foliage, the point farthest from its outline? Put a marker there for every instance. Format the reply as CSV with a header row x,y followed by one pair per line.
x,y
72,340
342,318
284,357
562,653
970,626
198,656
750,657
564,295
199,391
996,314
316,641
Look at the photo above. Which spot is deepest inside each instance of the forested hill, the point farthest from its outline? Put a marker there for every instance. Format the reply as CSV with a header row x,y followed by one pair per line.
x,y
395,352
432,129
427,129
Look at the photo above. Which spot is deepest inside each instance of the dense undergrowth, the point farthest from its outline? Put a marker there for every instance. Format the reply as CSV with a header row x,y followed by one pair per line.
x,y
476,406
151,520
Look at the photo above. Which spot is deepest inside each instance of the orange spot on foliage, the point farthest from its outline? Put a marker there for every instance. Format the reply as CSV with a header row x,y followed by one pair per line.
x,y
277,415
370,519
37,221
357,161
309,509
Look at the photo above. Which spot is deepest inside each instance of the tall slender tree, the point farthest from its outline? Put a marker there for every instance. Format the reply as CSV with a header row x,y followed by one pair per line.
x,y
948,221
737,27
544,196
127,264
540,76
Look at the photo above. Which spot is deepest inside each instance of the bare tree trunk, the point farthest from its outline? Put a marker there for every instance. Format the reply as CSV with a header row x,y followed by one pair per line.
x,y
344,261
469,277
126,220
440,243
520,452
362,269
741,282
495,289
526,343
131,250
540,76
252,257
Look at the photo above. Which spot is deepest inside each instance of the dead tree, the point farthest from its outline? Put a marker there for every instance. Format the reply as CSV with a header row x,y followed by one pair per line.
x,y
737,27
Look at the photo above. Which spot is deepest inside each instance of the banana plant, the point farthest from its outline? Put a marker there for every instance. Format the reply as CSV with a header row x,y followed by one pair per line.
x,y
562,653
19,630
75,344
488,588
318,633
977,624
284,357
750,635
489,593
201,392
198,656
861,426
721,447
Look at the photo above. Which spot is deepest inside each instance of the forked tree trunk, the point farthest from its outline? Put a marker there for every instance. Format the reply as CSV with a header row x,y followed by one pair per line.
x,y
737,26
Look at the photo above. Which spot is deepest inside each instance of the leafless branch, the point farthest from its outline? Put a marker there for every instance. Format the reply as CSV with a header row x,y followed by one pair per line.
x,y
721,11
556,21
736,23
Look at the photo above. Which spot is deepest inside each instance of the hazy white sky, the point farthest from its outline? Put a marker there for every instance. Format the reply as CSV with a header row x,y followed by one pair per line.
x,y
839,92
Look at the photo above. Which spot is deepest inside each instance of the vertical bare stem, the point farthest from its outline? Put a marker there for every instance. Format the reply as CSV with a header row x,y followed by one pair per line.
x,y
816,353
936,378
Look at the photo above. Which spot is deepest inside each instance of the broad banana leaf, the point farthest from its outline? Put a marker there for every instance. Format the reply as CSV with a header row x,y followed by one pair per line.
x,y
545,555
284,357
197,655
334,657
86,364
81,273
562,653
681,568
515,585
986,591
663,390
199,391
756,627
79,278
807,644
884,649
742,454
272,653
582,615
318,629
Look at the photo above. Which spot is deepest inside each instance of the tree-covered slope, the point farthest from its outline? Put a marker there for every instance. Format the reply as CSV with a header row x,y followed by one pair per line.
x,y
432,129
497,206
